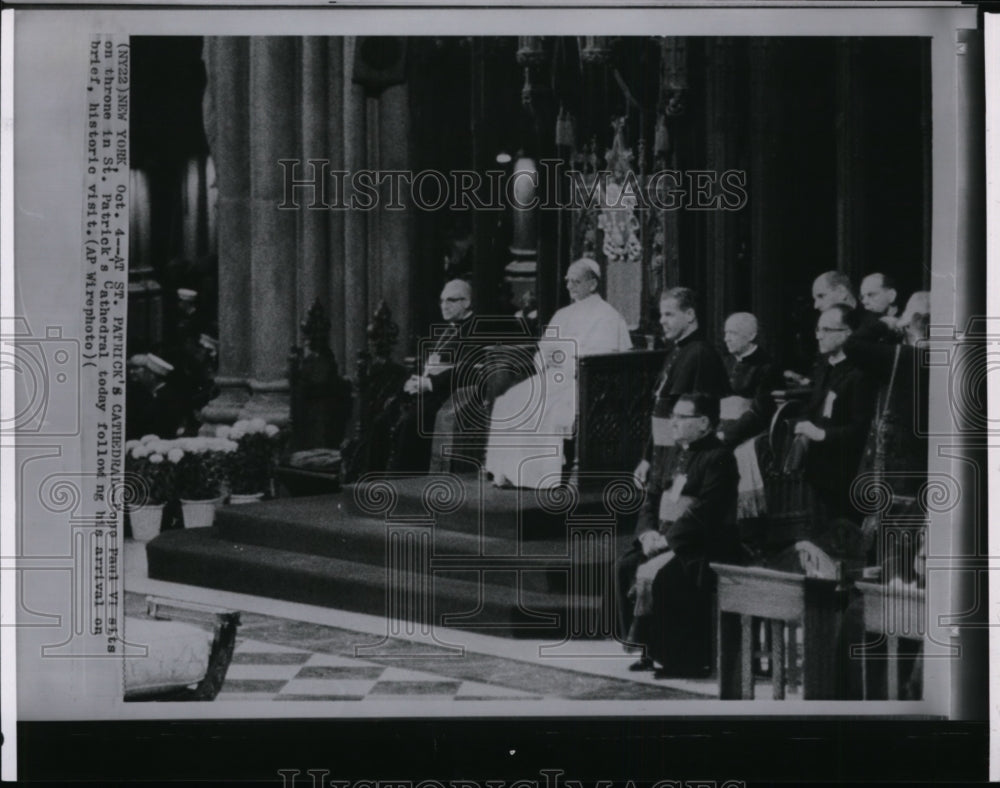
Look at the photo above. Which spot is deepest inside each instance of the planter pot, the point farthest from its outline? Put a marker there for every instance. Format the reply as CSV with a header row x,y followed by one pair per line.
x,y
238,498
199,514
146,521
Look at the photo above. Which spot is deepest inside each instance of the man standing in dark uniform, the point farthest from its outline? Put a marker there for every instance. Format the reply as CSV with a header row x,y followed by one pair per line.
x,y
752,377
687,520
839,415
691,365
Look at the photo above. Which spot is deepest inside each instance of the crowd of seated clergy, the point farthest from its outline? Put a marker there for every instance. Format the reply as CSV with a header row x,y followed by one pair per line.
x,y
704,483
710,454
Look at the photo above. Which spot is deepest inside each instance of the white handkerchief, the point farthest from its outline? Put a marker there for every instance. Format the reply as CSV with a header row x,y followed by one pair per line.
x,y
663,431
831,397
731,408
671,510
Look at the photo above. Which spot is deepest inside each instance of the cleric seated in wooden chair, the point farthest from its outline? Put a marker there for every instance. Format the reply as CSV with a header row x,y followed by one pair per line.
x,y
687,520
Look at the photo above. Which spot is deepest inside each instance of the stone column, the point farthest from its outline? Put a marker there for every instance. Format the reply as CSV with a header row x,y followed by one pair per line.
x,y
275,98
273,232
355,250
228,131
314,259
394,226
339,315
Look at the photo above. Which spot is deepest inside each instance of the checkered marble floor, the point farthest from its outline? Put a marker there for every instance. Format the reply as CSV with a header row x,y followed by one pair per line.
x,y
266,671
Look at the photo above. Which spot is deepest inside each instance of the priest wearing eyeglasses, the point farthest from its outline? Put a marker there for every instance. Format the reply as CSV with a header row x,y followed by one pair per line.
x,y
838,416
437,379
688,519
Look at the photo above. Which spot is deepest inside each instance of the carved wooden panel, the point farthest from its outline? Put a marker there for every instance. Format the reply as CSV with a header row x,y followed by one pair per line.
x,y
616,402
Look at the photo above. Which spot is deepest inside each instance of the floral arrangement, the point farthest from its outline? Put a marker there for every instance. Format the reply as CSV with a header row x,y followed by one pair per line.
x,y
250,468
148,459
201,466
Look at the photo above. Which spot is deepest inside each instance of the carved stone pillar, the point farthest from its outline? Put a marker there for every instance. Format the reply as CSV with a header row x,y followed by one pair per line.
x,y
355,253
280,99
273,116
395,238
313,237
227,62
335,220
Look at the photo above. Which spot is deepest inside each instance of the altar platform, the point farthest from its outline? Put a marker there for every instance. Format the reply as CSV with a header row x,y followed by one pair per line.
x,y
425,551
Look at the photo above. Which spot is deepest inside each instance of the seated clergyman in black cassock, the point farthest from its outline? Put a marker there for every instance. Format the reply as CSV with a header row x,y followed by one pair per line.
x,y
440,375
687,521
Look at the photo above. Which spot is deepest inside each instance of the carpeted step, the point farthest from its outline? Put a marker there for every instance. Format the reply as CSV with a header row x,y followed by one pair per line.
x,y
322,527
471,505
200,557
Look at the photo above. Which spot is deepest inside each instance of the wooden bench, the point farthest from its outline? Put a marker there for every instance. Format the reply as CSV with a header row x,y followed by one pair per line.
x,y
786,602
895,614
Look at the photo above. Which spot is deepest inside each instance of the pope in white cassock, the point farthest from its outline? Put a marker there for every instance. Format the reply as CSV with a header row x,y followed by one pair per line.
x,y
532,419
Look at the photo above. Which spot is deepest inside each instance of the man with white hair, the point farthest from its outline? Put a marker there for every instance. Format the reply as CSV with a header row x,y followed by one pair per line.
x,y
439,376
745,415
752,377
532,419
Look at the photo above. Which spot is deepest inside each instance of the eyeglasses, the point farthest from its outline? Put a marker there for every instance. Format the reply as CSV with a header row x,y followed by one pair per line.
x,y
825,330
454,299
687,416
571,281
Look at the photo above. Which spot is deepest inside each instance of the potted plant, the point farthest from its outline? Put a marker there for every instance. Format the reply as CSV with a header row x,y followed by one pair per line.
x,y
149,477
200,472
250,468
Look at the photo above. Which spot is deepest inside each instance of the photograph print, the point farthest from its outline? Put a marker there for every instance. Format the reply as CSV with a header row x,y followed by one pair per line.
x,y
496,374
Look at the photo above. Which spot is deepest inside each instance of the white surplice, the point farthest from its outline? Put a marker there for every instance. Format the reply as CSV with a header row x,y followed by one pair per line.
x,y
532,419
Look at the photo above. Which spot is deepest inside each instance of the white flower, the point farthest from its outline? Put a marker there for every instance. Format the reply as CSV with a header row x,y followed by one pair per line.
x,y
139,452
237,432
257,425
129,445
156,458
175,454
222,431
270,430
159,446
148,438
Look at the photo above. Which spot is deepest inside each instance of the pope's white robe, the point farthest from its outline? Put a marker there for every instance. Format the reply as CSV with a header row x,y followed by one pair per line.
x,y
532,419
